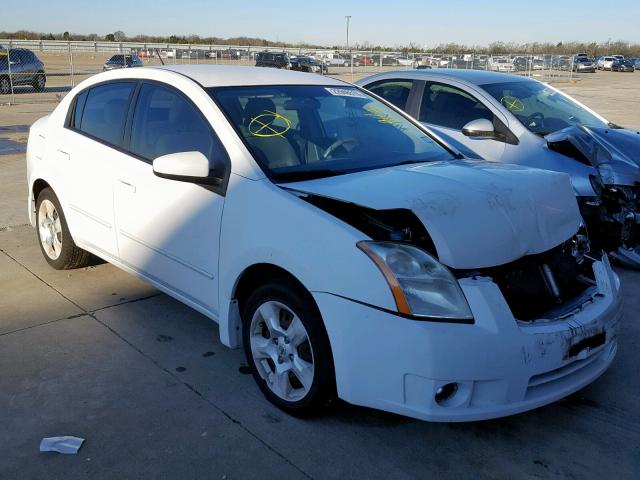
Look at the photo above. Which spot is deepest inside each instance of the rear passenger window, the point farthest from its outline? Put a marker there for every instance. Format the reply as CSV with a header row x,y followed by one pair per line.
x,y
166,122
105,111
450,107
393,91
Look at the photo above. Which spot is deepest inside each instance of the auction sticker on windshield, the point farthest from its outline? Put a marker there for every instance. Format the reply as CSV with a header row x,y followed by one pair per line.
x,y
345,92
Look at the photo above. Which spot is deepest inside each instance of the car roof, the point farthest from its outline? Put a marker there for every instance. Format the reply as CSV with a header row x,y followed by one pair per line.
x,y
227,75
475,77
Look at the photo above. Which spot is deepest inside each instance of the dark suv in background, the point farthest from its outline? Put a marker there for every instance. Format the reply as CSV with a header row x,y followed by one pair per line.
x,y
122,60
274,60
305,63
25,69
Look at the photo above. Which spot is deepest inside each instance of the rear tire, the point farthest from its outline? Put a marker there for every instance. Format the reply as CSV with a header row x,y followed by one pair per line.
x,y
56,244
5,86
287,348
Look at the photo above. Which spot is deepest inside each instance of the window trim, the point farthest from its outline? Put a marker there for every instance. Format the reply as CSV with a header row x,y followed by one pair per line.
x,y
410,98
72,107
220,189
500,127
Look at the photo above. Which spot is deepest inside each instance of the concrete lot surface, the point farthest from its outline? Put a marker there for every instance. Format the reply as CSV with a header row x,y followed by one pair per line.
x,y
97,354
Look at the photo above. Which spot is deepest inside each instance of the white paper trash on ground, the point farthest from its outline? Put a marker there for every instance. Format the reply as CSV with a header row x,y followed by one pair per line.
x,y
61,444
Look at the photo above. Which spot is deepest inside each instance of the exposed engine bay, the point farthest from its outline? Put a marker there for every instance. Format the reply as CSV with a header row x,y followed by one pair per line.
x,y
613,221
613,217
546,285
541,286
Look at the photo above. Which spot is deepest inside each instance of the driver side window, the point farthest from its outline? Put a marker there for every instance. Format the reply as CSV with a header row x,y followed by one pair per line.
x,y
450,107
165,122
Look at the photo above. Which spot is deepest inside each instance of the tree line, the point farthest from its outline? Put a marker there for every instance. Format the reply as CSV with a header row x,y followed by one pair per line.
x,y
591,48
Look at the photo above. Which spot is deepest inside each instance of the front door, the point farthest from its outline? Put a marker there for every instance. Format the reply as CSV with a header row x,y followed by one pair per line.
x,y
169,230
447,109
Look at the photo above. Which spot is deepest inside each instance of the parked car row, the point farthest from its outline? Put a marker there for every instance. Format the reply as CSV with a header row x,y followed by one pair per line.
x,y
389,244
617,63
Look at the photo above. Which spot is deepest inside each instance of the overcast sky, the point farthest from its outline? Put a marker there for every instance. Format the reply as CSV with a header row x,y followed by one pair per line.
x,y
423,22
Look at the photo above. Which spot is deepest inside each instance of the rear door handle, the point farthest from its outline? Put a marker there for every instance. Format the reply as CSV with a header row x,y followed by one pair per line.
x,y
62,155
128,186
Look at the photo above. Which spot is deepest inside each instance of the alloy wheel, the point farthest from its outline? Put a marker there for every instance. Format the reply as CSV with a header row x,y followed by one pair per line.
x,y
50,229
282,351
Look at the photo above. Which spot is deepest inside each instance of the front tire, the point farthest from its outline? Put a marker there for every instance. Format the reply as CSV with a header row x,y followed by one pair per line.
x,y
39,82
56,244
288,349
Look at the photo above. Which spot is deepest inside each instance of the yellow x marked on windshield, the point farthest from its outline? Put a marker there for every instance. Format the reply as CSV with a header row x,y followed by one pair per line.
x,y
512,103
263,125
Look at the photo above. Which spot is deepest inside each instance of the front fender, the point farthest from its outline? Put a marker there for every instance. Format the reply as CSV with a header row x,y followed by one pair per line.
x,y
262,223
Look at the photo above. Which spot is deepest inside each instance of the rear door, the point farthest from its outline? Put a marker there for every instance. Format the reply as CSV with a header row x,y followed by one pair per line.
x,y
90,147
169,230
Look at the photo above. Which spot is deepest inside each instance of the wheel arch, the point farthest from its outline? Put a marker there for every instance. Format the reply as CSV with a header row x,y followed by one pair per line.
x,y
36,188
247,281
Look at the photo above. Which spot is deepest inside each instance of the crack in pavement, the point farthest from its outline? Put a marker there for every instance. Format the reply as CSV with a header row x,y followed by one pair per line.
x,y
91,313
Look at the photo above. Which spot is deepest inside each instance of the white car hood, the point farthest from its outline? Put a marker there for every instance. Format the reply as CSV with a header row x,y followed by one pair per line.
x,y
478,214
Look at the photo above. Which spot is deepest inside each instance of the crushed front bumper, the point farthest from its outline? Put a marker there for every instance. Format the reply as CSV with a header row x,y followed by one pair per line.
x,y
500,366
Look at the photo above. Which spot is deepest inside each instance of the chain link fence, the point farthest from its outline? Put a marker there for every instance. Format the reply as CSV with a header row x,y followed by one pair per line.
x,y
43,71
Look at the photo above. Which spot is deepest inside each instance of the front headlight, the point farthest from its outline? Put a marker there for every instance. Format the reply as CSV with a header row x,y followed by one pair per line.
x,y
421,286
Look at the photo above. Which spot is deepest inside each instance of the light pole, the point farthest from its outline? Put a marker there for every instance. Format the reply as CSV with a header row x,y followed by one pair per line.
x,y
348,18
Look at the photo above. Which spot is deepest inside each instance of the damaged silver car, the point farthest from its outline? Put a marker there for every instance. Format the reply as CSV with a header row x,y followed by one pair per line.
x,y
513,119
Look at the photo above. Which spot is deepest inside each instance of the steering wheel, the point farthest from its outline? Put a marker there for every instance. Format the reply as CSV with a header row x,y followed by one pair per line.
x,y
348,143
536,118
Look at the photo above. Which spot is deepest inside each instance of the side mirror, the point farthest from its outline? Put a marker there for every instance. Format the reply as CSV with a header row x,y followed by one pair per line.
x,y
185,167
479,128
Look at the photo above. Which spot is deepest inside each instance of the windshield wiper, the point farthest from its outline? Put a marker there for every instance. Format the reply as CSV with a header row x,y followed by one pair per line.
x,y
615,126
305,175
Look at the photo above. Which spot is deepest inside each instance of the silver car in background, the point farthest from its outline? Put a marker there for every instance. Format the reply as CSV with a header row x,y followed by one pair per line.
x,y
514,119
605,63
583,65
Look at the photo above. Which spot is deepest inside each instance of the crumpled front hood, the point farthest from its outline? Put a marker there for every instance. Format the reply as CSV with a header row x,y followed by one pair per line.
x,y
478,214
614,152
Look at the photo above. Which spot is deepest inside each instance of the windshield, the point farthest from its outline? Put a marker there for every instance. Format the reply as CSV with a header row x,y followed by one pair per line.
x,y
539,108
297,132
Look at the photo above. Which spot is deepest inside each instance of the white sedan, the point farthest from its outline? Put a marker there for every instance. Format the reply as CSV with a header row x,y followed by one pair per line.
x,y
350,253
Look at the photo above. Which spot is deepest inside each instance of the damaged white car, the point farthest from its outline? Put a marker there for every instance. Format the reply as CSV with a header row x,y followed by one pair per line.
x,y
347,251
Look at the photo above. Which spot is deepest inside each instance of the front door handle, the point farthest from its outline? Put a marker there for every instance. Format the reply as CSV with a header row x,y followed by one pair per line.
x,y
128,186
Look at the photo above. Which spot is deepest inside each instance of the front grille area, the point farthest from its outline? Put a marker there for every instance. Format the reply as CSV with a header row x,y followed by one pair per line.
x,y
536,284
